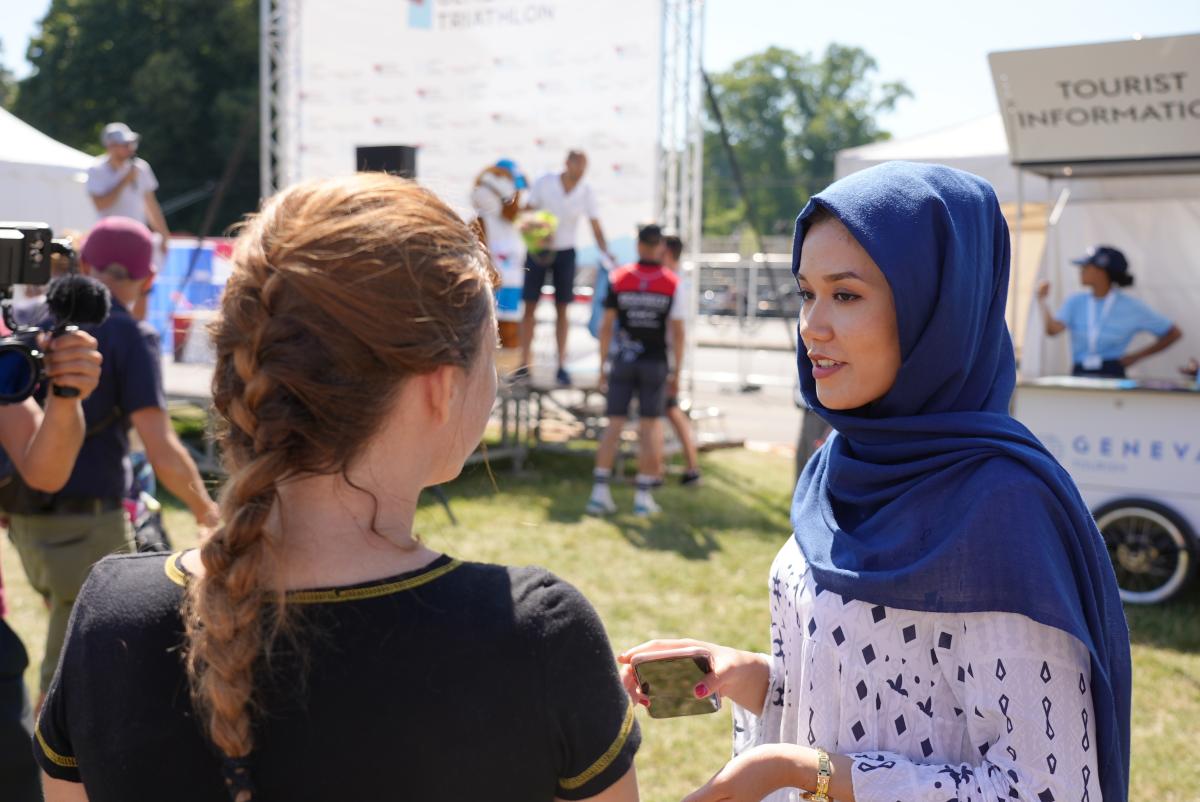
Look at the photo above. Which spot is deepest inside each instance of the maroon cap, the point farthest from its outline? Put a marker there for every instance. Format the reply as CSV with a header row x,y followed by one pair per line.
x,y
120,241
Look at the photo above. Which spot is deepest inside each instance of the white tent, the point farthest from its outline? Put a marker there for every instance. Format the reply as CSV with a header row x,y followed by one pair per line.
x,y
977,146
41,179
1154,219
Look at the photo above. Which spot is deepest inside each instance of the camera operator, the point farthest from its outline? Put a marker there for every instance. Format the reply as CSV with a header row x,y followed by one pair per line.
x,y
41,446
60,537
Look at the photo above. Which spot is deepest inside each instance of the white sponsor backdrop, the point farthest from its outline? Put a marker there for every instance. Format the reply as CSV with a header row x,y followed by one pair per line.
x,y
470,81
1137,99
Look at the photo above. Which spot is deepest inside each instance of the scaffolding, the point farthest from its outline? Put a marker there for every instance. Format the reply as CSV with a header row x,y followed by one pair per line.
x,y
278,68
680,136
680,162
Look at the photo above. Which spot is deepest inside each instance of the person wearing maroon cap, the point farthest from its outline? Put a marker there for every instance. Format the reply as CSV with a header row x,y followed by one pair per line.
x,y
61,536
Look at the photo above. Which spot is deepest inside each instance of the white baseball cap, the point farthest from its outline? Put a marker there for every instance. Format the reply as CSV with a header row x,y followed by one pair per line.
x,y
119,133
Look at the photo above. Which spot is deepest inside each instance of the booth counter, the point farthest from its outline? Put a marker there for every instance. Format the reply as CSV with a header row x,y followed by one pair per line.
x,y
1133,448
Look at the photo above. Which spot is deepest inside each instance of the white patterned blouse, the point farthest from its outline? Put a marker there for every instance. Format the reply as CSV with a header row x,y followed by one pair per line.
x,y
932,707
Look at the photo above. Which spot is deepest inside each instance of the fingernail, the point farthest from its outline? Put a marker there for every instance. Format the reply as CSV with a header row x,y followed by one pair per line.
x,y
701,690
644,702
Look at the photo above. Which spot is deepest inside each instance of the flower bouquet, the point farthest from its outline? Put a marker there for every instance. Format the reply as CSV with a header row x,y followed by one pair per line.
x,y
536,229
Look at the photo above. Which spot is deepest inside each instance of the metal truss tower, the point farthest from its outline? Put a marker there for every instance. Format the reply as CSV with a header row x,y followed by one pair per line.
x,y
278,66
680,162
677,203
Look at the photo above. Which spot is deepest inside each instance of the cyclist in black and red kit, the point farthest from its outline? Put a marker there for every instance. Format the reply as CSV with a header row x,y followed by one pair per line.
x,y
642,299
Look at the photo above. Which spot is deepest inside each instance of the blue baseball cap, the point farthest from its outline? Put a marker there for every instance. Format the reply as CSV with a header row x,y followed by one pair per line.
x,y
1111,261
518,176
1105,257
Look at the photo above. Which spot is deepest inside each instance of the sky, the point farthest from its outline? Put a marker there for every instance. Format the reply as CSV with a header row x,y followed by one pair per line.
x,y
937,47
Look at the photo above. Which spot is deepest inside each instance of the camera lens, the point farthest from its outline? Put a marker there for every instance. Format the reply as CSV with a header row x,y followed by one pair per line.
x,y
18,373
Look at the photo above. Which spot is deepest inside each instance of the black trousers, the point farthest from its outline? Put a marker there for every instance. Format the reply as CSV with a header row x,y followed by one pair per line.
x,y
1109,369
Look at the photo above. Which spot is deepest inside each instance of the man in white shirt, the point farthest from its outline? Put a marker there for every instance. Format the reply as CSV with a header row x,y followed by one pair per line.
x,y
122,185
567,197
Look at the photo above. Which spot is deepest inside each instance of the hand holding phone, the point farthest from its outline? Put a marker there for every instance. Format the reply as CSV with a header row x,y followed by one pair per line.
x,y
669,680
738,675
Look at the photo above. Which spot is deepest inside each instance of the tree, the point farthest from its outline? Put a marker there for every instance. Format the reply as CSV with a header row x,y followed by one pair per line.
x,y
182,73
7,86
787,116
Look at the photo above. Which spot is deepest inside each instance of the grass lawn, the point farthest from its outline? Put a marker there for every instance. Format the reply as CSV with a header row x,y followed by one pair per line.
x,y
701,570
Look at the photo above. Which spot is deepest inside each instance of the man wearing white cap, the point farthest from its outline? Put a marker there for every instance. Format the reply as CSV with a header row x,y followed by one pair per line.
x,y
122,185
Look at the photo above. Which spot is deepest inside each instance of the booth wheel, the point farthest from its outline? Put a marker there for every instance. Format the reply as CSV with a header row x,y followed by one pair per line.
x,y
1151,549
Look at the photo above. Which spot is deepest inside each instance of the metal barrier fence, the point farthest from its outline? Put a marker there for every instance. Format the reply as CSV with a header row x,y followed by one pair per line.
x,y
747,288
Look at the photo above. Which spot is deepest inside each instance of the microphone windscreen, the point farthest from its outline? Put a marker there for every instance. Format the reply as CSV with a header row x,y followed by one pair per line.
x,y
78,300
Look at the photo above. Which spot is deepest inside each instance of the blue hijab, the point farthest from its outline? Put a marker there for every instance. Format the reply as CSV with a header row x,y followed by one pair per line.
x,y
933,497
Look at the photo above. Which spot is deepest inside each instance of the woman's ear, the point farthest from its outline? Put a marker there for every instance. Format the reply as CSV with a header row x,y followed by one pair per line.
x,y
438,389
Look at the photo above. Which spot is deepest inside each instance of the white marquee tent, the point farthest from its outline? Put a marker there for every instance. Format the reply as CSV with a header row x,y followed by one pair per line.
x,y
41,179
977,146
1154,219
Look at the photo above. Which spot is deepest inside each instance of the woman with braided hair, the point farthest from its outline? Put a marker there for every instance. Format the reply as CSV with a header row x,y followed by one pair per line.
x,y
313,648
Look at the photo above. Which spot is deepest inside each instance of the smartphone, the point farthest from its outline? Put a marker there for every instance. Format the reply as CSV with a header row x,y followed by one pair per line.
x,y
669,678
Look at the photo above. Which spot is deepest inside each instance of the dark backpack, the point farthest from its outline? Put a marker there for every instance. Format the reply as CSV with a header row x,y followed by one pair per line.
x,y
18,498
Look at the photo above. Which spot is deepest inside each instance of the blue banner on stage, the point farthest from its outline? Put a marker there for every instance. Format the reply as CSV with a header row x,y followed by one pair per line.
x,y
187,290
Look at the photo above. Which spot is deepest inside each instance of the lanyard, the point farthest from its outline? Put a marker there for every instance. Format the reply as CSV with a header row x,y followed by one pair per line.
x,y
1094,322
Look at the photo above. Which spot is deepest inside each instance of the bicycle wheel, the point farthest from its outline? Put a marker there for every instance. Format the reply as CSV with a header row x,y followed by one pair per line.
x,y
1151,547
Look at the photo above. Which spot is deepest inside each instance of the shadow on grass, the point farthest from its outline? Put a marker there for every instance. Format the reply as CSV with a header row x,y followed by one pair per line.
x,y
666,533
732,499
692,517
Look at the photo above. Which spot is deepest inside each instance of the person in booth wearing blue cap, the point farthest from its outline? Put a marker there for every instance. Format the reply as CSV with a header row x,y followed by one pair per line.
x,y
1103,321
945,620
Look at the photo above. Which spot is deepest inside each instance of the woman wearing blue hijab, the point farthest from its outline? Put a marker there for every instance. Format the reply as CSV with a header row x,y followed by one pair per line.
x,y
945,623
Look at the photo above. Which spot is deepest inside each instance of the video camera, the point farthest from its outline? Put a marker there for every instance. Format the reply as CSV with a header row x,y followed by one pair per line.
x,y
25,257
25,250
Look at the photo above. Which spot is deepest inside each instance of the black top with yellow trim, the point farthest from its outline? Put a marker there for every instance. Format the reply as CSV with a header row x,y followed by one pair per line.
x,y
459,681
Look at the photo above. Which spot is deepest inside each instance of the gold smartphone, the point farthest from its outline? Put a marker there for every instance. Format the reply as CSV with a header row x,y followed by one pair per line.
x,y
669,678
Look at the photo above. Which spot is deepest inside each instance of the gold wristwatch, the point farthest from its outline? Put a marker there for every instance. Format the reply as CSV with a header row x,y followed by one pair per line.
x,y
824,772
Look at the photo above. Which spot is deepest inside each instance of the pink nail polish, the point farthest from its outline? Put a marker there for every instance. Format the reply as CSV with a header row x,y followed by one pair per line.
x,y
701,690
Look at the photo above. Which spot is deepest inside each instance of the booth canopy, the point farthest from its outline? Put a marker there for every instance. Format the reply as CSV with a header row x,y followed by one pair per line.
x,y
980,146
41,179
